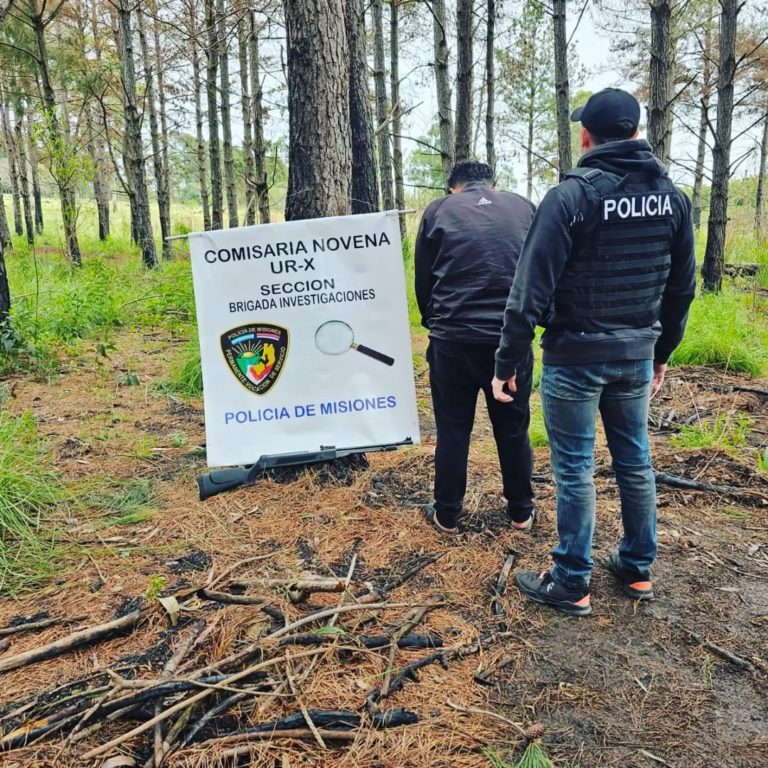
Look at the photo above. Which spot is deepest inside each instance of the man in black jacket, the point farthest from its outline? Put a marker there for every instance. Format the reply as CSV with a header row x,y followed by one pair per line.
x,y
466,253
608,269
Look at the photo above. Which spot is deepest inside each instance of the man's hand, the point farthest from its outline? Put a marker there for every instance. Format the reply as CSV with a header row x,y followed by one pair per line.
x,y
659,369
498,386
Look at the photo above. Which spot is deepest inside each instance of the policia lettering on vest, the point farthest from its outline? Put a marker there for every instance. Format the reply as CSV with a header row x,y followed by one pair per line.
x,y
608,269
640,206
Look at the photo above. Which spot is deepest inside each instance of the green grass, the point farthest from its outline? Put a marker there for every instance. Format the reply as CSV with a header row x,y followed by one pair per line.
x,y
127,503
537,431
727,331
532,757
30,494
726,431
186,377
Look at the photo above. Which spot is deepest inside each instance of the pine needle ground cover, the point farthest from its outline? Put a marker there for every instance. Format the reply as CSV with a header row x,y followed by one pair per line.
x,y
657,679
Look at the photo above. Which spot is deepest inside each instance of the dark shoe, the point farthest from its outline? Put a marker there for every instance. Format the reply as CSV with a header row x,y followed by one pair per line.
x,y
634,586
526,526
542,588
430,513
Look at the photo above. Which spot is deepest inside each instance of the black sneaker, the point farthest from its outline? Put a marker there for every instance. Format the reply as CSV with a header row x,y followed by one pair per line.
x,y
430,513
633,585
542,588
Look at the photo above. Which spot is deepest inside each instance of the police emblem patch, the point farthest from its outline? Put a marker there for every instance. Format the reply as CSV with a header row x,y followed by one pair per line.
x,y
255,353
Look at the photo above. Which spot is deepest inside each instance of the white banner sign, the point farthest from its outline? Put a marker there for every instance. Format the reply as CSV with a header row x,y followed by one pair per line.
x,y
304,337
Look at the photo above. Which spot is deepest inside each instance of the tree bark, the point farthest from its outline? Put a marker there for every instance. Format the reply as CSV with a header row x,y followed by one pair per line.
x,y
365,188
161,181
162,105
382,108
714,255
6,243
705,95
13,170
60,169
562,93
320,158
202,172
101,185
490,86
397,109
99,192
214,152
26,196
36,192
760,194
257,115
245,106
134,152
463,79
443,87
660,79
5,289
226,119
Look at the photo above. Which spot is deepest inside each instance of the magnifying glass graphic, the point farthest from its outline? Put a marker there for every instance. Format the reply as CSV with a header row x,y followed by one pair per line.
x,y
335,337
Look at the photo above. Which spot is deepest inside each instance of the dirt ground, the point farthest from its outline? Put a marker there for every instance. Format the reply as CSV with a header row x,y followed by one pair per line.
x,y
680,682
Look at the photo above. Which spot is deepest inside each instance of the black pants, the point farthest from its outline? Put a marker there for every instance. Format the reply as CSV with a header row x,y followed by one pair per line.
x,y
457,372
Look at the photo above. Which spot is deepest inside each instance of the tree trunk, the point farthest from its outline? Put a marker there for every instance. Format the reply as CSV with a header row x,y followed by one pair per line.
x,y
99,191
530,117
562,94
760,195
13,171
382,108
202,173
443,87
6,242
5,289
214,153
490,86
133,144
60,165
365,188
26,195
706,92
36,193
320,158
257,115
397,109
245,105
714,255
661,66
463,80
161,181
226,119
96,141
162,104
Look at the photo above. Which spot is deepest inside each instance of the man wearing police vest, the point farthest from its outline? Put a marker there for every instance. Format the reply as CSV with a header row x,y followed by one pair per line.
x,y
608,269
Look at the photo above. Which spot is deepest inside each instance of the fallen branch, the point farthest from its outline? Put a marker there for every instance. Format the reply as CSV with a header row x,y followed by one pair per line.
x,y
330,724
722,652
229,599
42,624
499,589
371,642
675,481
529,734
75,640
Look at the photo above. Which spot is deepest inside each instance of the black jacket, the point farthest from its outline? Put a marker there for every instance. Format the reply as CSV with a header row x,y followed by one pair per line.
x,y
466,254
565,213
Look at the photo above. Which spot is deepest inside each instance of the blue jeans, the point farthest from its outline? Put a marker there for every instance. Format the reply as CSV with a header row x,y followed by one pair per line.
x,y
571,396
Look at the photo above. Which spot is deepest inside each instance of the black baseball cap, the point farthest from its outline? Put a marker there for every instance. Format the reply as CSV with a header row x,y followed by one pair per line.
x,y
610,113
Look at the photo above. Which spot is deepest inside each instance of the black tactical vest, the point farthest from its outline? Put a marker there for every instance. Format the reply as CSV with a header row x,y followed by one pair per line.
x,y
620,258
